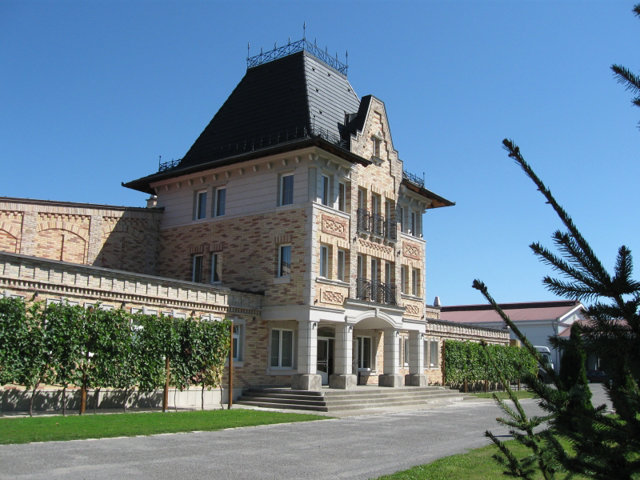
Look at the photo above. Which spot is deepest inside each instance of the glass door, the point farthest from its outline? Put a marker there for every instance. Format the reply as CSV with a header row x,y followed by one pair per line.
x,y
325,358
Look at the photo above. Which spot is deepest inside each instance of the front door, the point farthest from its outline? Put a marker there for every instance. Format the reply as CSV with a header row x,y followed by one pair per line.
x,y
325,358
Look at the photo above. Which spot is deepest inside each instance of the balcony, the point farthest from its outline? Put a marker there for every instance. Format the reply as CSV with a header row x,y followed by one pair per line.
x,y
377,225
377,292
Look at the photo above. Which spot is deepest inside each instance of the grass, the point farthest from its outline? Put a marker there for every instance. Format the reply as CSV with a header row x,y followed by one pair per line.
x,y
76,427
474,465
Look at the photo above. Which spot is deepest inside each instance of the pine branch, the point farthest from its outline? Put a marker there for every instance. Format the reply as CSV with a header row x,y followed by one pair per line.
x,y
514,152
624,76
622,282
562,266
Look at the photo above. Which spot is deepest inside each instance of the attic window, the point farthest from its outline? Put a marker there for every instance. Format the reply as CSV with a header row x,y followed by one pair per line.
x,y
377,146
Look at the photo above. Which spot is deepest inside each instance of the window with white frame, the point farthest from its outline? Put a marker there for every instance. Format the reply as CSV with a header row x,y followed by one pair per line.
x,y
376,142
406,351
286,189
325,193
433,353
284,261
238,342
196,268
401,220
215,268
220,206
415,282
363,352
324,261
403,279
375,204
341,265
362,199
200,207
426,361
281,348
413,224
342,197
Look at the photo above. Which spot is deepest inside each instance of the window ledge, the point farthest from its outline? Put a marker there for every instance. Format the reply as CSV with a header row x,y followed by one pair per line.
x,y
281,280
283,371
406,296
236,363
329,281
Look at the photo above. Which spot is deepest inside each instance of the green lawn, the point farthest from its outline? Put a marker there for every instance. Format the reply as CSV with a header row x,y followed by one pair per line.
x,y
74,427
474,465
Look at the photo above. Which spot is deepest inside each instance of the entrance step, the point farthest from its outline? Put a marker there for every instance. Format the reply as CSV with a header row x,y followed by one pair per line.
x,y
360,398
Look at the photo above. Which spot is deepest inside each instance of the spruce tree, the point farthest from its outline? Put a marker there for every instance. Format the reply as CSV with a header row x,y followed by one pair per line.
x,y
603,446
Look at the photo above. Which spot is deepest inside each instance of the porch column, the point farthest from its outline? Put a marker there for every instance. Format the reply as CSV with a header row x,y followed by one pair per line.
x,y
342,365
416,377
390,377
307,377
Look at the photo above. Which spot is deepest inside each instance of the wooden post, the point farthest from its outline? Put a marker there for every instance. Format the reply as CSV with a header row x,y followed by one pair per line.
x,y
83,389
465,386
165,394
231,370
443,363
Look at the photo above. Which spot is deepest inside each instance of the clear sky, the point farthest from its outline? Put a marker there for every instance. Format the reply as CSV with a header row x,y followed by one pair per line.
x,y
93,92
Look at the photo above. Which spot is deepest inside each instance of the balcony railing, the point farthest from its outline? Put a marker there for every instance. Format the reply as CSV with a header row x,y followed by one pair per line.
x,y
377,225
374,291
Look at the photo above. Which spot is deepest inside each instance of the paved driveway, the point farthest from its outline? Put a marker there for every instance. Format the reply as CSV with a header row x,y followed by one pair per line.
x,y
358,447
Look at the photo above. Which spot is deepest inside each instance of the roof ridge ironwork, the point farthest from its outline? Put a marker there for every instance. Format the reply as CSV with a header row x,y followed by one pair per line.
x,y
294,47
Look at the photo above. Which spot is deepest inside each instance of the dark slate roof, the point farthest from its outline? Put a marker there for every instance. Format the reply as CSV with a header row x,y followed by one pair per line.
x,y
285,101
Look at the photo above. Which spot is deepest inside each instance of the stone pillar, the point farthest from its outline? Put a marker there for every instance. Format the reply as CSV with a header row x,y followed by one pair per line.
x,y
28,233
95,238
343,361
416,377
390,377
307,377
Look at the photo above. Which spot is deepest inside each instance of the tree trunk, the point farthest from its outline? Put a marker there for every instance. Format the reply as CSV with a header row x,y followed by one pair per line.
x,y
97,399
64,401
33,394
202,396
127,393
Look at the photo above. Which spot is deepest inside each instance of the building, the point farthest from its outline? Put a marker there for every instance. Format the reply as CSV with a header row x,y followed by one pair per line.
x,y
291,212
537,320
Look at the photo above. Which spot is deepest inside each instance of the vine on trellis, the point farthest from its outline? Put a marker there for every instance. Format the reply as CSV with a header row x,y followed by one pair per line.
x,y
469,361
68,345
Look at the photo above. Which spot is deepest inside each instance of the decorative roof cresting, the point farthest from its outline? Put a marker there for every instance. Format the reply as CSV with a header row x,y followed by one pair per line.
x,y
299,46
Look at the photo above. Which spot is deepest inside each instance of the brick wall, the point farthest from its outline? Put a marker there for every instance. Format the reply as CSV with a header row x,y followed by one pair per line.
x,y
248,249
113,237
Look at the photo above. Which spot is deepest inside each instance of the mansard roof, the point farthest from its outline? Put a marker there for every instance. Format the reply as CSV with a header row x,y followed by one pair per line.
x,y
286,104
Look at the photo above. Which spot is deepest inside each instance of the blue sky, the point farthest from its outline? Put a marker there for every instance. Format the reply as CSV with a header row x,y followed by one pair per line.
x,y
92,92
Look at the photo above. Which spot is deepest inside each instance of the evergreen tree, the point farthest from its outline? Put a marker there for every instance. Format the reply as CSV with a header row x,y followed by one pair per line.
x,y
604,447
625,76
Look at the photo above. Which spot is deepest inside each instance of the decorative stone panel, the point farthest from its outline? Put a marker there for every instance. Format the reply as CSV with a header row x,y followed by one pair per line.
x,y
335,226
411,250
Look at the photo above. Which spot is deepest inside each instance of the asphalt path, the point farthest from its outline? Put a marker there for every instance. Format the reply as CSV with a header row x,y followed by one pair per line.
x,y
355,447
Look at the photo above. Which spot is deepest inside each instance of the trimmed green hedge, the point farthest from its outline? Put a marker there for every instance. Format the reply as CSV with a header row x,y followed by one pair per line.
x,y
469,361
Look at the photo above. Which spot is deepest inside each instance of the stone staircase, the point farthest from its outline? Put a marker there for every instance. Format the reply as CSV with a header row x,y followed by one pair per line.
x,y
360,398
